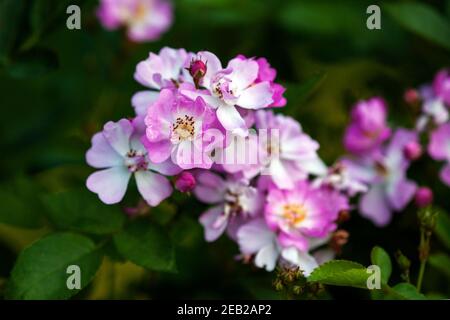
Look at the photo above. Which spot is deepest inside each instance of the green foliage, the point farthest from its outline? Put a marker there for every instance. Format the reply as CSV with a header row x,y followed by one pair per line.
x,y
80,210
33,63
40,270
341,273
11,12
380,258
441,262
146,245
422,19
443,228
19,204
405,291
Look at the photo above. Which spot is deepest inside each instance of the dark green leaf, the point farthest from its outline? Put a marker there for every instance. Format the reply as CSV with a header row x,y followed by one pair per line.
x,y
20,205
33,63
341,273
41,269
11,13
146,245
407,291
380,258
82,211
443,228
441,262
423,20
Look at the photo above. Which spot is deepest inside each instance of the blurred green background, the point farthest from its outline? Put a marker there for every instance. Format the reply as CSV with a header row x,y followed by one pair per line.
x,y
59,86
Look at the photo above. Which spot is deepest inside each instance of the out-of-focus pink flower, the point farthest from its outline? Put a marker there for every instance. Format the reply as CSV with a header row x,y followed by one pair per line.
x,y
255,238
439,149
423,197
368,128
234,202
145,20
339,178
232,87
385,175
433,109
290,154
118,152
177,126
413,150
165,70
441,86
185,182
302,213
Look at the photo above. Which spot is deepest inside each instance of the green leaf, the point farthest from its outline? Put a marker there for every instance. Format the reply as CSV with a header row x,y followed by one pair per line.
x,y
19,204
33,63
441,262
146,245
80,210
11,13
41,269
341,273
407,291
443,228
380,258
423,20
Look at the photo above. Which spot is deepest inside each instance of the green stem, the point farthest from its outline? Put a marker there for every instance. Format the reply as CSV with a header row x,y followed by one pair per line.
x,y
424,249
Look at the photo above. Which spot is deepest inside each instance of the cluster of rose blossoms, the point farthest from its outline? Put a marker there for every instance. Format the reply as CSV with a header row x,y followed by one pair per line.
x,y
211,130
380,156
145,20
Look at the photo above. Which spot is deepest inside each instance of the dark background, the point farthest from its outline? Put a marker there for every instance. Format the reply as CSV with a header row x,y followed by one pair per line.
x,y
59,86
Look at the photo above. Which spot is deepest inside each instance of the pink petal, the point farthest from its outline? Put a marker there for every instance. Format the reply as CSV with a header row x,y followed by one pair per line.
x,y
141,100
118,135
110,184
157,151
445,174
210,187
374,206
101,154
256,97
153,187
231,120
209,219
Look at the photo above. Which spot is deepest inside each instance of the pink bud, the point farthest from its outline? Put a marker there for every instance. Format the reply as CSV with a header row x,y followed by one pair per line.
x,y
185,182
411,96
197,69
413,150
423,197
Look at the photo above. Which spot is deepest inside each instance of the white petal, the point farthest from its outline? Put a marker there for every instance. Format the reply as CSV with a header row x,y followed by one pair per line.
x,y
110,184
305,261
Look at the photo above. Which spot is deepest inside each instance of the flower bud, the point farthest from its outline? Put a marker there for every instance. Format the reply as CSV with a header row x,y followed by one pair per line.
x,y
413,151
403,262
423,197
185,182
427,219
197,69
411,96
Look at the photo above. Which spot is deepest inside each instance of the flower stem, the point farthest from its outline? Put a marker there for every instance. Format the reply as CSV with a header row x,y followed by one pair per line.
x,y
424,249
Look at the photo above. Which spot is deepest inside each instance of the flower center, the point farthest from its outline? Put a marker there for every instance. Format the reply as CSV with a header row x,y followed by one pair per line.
x,y
294,213
222,88
183,129
135,161
232,204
